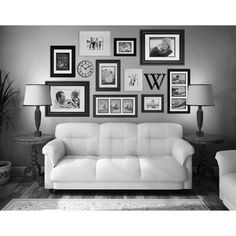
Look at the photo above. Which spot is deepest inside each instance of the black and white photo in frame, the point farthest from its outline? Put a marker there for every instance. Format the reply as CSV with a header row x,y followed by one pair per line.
x,y
152,103
124,46
133,80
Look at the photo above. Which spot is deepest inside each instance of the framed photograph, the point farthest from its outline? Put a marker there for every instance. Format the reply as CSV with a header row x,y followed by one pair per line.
x,y
124,46
162,47
94,43
62,61
178,82
108,75
133,80
115,106
68,98
152,103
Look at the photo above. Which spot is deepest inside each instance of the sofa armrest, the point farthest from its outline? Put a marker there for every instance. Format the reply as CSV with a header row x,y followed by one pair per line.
x,y
226,161
54,150
181,150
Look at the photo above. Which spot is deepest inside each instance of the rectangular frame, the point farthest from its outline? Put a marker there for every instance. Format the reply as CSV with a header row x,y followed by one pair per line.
x,y
129,47
157,55
175,83
161,96
133,80
118,100
70,108
62,56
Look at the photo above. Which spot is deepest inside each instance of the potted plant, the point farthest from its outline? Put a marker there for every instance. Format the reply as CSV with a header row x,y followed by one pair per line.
x,y
6,93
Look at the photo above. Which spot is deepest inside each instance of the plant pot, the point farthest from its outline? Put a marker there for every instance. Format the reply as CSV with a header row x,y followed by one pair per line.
x,y
5,168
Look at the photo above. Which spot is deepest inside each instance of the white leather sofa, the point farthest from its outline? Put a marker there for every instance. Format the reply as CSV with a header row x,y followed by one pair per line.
x,y
227,177
118,156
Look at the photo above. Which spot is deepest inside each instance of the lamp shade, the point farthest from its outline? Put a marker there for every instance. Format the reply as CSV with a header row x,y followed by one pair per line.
x,y
200,95
37,95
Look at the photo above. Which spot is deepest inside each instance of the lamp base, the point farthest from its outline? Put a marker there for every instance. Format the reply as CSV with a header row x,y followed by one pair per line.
x,y
37,134
200,133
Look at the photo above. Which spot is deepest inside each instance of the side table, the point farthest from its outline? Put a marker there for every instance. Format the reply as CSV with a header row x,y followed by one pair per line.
x,y
29,139
207,139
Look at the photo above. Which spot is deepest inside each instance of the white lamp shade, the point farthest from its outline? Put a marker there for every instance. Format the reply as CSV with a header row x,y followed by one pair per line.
x,y
37,95
200,95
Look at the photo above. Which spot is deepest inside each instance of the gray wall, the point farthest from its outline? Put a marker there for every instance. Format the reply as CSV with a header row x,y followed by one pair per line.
x,y
210,53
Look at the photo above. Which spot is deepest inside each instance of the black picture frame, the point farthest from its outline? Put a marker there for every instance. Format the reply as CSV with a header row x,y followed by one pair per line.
x,y
178,90
130,41
110,66
163,57
62,53
152,96
123,111
71,111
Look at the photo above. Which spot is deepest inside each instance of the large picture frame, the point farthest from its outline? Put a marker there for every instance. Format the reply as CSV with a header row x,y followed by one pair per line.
x,y
69,98
152,103
125,47
107,75
178,82
94,43
62,61
162,47
115,106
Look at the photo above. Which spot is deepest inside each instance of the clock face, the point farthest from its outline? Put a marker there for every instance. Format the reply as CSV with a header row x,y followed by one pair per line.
x,y
85,68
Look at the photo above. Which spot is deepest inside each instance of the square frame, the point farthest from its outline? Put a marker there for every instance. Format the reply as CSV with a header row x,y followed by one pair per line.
x,y
107,75
157,55
128,47
133,80
69,109
62,56
153,96
126,107
178,82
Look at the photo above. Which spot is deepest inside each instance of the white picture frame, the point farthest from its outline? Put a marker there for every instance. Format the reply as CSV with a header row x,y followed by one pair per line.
x,y
133,80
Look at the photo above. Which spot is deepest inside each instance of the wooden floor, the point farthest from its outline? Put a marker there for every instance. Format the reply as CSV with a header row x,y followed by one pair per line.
x,y
22,187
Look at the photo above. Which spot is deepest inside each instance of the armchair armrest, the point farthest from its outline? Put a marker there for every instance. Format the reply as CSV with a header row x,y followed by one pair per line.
x,y
54,150
226,161
181,150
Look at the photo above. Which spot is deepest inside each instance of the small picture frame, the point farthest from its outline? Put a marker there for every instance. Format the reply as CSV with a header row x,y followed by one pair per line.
x,y
162,47
152,103
107,75
94,43
178,82
125,47
115,106
62,61
133,80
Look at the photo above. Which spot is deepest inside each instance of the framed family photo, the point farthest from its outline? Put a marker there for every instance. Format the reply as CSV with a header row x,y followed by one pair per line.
x,y
178,82
107,75
133,80
162,47
124,46
94,43
115,106
152,103
68,98
62,61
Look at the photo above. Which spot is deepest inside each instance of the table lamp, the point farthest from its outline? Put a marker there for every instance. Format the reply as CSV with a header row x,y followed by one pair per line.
x,y
200,95
37,95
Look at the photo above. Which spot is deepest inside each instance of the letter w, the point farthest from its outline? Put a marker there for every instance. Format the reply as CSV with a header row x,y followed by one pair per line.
x,y
157,80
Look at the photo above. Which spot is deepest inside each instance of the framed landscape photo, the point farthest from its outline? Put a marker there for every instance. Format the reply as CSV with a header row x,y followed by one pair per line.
x,y
133,80
178,82
68,98
107,75
162,47
152,103
115,106
94,43
124,46
62,61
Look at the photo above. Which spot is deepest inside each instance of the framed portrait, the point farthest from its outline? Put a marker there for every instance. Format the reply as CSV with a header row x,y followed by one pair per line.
x,y
152,103
108,75
94,43
178,82
68,98
124,46
62,61
115,106
162,47
133,80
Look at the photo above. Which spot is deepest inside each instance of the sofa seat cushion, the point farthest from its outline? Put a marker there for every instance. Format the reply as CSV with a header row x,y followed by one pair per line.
x,y
228,186
161,168
74,169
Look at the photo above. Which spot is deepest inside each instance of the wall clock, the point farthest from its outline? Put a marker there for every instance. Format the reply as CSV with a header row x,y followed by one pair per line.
x,y
85,68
